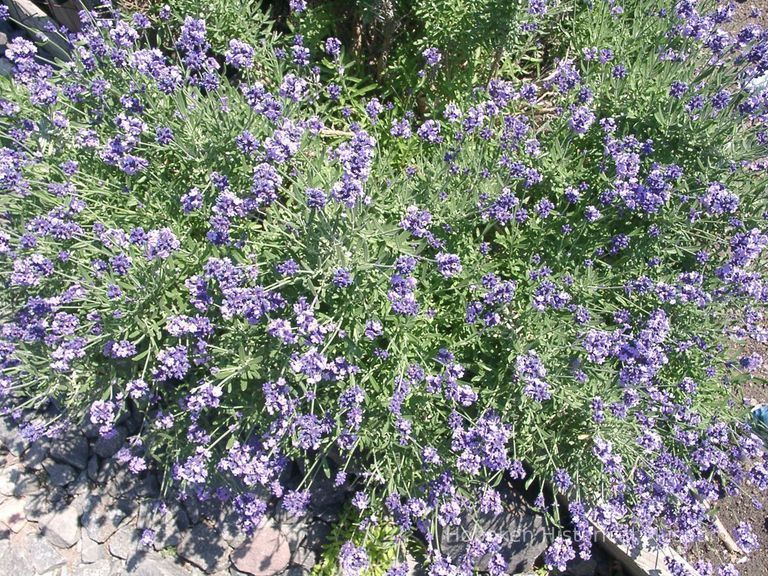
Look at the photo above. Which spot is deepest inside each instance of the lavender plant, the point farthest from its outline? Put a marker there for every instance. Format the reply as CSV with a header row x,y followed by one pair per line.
x,y
538,283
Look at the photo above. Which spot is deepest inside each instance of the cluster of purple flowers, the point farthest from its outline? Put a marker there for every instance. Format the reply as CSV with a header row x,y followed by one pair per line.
x,y
271,280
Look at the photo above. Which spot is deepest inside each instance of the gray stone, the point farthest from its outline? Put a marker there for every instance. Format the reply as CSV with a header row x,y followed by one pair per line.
x,y
13,562
90,551
121,483
12,514
579,567
61,528
15,481
9,436
230,531
102,567
93,468
523,533
37,22
43,502
132,422
102,516
203,546
305,557
5,67
34,455
154,566
265,553
167,526
90,430
414,568
60,474
326,500
72,449
124,542
106,447
192,507
42,555
9,477
80,486
315,535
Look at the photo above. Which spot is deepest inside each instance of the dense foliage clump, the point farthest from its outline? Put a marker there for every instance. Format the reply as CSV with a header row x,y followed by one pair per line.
x,y
539,281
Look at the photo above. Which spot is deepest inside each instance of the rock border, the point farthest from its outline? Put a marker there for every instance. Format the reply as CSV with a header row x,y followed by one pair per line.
x,y
68,509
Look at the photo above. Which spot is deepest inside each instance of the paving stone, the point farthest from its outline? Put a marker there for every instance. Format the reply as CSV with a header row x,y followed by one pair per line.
x,y
80,488
90,430
203,546
121,483
93,468
12,514
44,502
15,481
62,527
14,562
60,474
315,535
296,571
305,557
167,526
579,567
124,542
42,555
106,447
192,507
103,515
37,24
230,530
8,478
72,449
9,436
326,500
102,567
34,455
154,566
265,553
90,550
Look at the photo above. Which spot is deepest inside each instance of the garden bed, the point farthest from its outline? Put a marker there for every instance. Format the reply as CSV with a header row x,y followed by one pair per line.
x,y
296,296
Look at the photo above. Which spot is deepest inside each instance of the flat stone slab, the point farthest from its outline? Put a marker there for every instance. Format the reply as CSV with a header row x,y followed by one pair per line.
x,y
42,555
90,551
60,474
106,447
101,568
124,543
265,553
61,528
153,566
12,561
9,436
103,516
204,547
12,514
35,454
15,481
71,449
